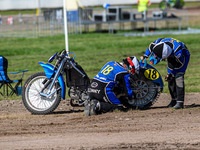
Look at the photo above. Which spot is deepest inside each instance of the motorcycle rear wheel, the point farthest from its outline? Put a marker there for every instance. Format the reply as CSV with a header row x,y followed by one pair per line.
x,y
146,93
36,103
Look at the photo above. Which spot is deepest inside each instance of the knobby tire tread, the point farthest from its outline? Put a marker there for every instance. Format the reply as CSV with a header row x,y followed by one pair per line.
x,y
35,112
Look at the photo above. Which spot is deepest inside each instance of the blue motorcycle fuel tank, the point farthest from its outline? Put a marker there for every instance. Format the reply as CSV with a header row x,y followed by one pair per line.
x,y
49,71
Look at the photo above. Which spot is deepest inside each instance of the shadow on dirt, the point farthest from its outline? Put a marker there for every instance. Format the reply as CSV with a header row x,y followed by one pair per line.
x,y
160,107
67,112
192,106
186,106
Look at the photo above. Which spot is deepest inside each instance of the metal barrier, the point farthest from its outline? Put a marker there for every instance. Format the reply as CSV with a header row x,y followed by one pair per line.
x,y
15,26
35,26
119,19
49,25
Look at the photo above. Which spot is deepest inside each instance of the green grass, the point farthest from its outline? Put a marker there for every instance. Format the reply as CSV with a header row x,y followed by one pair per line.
x,y
16,12
92,52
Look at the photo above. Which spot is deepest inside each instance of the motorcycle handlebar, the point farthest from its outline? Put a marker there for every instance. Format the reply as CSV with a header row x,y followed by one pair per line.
x,y
61,56
64,54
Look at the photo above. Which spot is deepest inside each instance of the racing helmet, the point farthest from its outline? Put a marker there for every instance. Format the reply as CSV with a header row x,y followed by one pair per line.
x,y
132,64
162,50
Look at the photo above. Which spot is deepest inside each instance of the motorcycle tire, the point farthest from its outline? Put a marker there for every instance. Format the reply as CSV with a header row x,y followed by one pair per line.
x,y
146,93
33,101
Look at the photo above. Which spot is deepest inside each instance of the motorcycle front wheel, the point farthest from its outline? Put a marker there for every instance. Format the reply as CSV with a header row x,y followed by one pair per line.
x,y
34,101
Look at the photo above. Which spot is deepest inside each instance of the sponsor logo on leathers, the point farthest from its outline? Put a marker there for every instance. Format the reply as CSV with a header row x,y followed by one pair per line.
x,y
94,84
93,91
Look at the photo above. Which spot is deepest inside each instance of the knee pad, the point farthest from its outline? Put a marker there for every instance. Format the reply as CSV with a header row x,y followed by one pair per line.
x,y
179,80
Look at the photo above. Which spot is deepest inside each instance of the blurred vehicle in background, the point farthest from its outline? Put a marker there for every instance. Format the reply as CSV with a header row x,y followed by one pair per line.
x,y
167,4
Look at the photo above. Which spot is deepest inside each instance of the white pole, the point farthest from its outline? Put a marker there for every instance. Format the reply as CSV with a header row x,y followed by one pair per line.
x,y
65,26
39,14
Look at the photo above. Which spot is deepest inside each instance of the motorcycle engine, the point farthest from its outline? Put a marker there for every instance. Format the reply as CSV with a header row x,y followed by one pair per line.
x,y
77,96
74,94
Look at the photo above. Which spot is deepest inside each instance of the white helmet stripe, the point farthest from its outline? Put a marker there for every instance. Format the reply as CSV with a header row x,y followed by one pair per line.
x,y
167,50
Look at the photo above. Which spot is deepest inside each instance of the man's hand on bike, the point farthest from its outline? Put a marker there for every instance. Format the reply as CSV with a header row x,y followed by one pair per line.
x,y
142,57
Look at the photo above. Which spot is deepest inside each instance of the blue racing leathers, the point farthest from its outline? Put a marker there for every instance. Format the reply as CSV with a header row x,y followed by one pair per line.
x,y
113,75
177,64
178,60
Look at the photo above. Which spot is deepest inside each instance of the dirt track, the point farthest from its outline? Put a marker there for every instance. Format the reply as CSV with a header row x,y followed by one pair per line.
x,y
68,128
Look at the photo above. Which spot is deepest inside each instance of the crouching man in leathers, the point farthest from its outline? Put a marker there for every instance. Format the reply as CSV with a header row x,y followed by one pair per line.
x,y
101,90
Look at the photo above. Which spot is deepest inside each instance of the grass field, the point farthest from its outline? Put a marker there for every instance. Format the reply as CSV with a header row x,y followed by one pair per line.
x,y
92,52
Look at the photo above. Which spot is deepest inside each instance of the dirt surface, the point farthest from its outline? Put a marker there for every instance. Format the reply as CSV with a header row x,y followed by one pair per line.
x,y
68,128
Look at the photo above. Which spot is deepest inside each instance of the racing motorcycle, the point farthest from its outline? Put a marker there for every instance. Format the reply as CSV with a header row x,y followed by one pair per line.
x,y
43,91
166,4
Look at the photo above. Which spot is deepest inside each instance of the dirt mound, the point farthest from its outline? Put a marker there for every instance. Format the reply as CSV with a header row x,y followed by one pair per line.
x,y
68,128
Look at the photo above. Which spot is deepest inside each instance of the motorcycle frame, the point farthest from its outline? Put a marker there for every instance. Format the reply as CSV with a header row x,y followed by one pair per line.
x,y
56,74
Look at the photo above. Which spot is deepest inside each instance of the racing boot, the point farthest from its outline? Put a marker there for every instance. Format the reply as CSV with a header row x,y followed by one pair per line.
x,y
179,105
94,107
172,103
